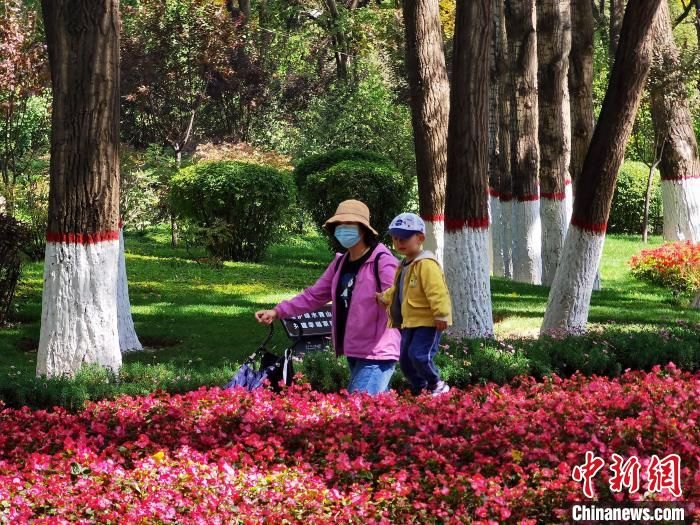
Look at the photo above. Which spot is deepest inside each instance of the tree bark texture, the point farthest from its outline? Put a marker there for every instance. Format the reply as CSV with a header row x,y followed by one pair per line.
x,y
466,208
673,123
430,106
553,48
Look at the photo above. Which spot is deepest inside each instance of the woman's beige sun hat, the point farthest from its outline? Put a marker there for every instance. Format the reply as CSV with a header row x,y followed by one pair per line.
x,y
351,211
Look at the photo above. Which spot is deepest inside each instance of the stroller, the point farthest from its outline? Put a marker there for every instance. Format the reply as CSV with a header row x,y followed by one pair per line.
x,y
308,332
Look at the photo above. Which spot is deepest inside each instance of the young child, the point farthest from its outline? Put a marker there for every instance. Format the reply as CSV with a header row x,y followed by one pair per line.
x,y
418,303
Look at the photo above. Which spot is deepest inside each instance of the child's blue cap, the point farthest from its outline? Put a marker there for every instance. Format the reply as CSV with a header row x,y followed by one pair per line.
x,y
406,225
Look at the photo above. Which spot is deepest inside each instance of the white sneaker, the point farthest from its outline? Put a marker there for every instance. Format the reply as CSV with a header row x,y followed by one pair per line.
x,y
440,388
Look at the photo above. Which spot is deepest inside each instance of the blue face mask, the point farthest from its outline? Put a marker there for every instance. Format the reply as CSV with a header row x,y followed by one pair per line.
x,y
348,235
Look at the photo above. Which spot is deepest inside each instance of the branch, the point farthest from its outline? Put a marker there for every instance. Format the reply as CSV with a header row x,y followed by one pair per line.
x,y
685,13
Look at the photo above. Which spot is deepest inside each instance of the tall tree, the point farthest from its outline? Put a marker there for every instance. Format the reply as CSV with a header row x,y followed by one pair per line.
x,y
505,180
617,12
499,217
79,308
430,107
527,227
553,47
581,83
128,340
673,123
466,207
569,298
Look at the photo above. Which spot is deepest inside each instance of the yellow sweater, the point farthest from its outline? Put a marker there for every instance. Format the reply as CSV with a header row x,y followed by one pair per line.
x,y
425,295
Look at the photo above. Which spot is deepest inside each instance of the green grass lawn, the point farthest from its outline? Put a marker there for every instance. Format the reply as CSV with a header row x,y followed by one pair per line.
x,y
197,320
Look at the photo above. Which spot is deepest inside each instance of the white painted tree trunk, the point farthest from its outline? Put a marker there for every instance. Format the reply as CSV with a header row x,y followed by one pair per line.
x,y
681,203
128,340
467,269
507,239
79,308
497,232
434,237
555,214
527,242
570,295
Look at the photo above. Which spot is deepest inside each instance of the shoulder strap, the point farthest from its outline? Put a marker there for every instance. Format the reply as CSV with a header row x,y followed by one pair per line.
x,y
376,271
337,263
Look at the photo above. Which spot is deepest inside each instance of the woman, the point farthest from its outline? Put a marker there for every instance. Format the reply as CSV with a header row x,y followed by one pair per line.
x,y
360,329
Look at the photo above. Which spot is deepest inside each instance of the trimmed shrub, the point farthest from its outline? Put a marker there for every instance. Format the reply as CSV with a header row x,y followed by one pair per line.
x,y
323,161
237,207
627,212
13,237
674,265
380,186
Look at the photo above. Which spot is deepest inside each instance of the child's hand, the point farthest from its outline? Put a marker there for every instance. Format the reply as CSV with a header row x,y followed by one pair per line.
x,y
440,325
379,296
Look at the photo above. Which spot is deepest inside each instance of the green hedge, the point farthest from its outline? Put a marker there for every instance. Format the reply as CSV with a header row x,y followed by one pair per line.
x,y
236,208
380,186
627,212
323,161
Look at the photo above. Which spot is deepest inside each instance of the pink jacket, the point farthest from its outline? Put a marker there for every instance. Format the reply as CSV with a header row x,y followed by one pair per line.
x,y
366,332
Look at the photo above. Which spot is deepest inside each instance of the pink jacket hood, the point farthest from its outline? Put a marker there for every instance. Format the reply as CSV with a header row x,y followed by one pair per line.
x,y
366,333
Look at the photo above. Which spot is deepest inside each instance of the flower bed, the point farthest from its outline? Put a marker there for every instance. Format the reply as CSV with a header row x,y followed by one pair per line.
x,y
673,265
498,454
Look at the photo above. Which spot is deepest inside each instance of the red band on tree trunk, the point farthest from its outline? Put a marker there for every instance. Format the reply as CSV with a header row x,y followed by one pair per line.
x,y
433,218
82,238
458,224
599,228
505,197
558,196
528,198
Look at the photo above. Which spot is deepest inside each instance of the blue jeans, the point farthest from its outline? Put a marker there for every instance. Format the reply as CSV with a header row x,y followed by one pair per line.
x,y
370,375
418,348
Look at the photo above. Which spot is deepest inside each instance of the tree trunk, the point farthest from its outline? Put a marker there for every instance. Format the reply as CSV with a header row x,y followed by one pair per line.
x,y
466,208
617,12
673,123
581,89
505,182
696,301
553,47
581,83
527,227
430,106
79,307
647,199
128,340
569,298
495,213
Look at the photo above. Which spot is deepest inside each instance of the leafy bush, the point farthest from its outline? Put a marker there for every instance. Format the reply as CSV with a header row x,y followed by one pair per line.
x,y
32,207
674,265
379,185
13,237
323,161
627,212
241,205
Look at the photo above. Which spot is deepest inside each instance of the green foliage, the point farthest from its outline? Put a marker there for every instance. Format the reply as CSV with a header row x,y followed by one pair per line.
x,y
365,116
324,372
145,185
379,185
13,238
32,206
323,161
627,212
239,206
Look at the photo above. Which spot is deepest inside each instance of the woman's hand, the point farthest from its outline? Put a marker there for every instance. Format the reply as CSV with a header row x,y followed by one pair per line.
x,y
266,316
440,325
